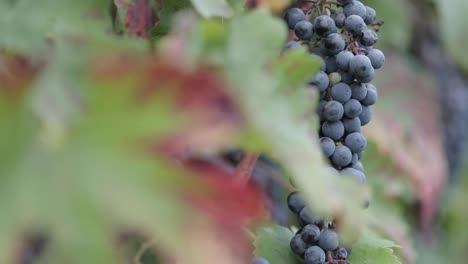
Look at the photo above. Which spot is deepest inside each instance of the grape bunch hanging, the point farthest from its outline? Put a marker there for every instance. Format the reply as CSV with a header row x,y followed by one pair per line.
x,y
342,34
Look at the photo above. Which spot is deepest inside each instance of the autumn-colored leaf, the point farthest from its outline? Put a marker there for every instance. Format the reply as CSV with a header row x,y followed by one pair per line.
x,y
406,127
199,95
202,95
141,18
231,203
16,72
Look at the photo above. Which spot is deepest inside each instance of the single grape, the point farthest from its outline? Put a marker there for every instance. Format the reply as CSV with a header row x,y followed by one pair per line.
x,y
304,30
360,65
334,43
342,156
369,38
366,115
357,175
320,80
333,130
310,233
339,19
358,91
334,77
341,92
358,166
260,261
355,8
294,16
352,108
314,255
324,25
327,145
352,125
328,240
371,15
342,60
371,96
333,111
295,202
356,142
355,25
376,57
298,246
340,253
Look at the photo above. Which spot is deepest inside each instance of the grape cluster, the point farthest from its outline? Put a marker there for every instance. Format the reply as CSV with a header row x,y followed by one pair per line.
x,y
341,34
317,241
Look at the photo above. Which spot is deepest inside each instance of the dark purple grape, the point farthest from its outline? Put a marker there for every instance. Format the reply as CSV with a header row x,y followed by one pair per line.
x,y
310,233
314,255
295,202
328,240
324,25
294,16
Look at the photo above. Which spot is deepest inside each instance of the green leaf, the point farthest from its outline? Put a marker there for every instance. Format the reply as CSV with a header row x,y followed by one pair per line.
x,y
371,248
272,243
212,8
294,68
166,13
208,41
251,49
29,25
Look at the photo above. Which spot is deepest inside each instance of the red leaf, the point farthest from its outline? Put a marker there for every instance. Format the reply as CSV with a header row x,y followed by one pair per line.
x,y
141,18
230,202
16,73
252,3
202,95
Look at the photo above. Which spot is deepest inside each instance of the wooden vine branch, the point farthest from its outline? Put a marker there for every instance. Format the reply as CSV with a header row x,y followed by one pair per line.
x,y
245,168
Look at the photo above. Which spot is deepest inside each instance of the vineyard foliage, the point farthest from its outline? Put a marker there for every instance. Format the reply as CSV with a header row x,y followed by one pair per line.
x,y
112,113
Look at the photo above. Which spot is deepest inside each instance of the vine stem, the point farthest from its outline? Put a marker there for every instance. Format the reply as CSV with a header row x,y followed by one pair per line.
x,y
246,166
141,251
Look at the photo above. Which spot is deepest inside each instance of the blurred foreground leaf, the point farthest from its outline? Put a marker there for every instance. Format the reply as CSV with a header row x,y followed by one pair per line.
x,y
212,8
370,248
272,243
